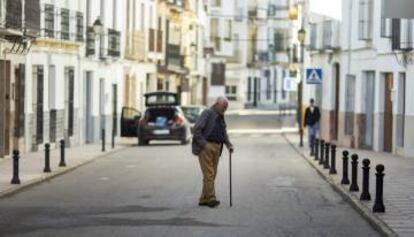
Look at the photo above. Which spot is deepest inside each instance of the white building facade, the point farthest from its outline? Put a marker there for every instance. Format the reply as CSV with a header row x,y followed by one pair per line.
x,y
365,101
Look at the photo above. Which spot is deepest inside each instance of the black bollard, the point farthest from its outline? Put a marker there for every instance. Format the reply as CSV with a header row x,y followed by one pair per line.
x,y
379,202
103,139
365,196
316,149
322,144
326,161
62,153
332,169
47,159
354,174
345,158
113,138
16,157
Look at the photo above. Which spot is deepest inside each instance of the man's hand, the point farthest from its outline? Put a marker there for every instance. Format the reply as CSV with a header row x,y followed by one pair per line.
x,y
231,149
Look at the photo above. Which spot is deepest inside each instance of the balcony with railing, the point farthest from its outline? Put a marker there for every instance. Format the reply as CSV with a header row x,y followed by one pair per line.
x,y
65,18
11,18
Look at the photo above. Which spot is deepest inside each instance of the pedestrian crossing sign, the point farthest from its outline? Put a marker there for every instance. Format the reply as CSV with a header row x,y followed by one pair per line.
x,y
313,76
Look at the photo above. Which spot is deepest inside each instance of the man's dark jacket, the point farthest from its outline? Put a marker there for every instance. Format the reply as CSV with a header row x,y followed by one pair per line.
x,y
312,117
203,128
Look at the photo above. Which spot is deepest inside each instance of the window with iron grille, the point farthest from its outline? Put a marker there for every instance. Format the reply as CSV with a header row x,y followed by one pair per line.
x,y
90,41
49,21
280,41
114,43
231,92
365,19
79,26
14,14
386,23
64,25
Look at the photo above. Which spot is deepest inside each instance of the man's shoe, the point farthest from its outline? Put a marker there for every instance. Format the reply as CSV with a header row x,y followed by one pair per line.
x,y
213,203
201,204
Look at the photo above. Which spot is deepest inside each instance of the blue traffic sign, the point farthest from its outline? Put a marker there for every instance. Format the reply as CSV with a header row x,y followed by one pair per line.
x,y
313,76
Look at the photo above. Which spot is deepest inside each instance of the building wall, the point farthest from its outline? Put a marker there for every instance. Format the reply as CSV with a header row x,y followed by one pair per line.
x,y
373,55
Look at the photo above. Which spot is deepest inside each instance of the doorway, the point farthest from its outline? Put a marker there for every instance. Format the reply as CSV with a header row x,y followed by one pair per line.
x,y
401,110
4,108
388,120
89,125
38,78
335,120
20,75
369,102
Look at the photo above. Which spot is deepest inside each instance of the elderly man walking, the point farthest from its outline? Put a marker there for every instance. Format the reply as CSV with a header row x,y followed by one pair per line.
x,y
209,136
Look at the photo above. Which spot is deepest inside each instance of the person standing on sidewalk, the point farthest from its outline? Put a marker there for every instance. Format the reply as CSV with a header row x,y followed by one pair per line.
x,y
312,117
208,138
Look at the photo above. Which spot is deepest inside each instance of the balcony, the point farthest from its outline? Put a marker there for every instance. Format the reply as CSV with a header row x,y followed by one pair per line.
x,y
11,18
70,25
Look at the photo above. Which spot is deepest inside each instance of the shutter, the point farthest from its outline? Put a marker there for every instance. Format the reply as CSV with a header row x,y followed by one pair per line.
x,y
396,34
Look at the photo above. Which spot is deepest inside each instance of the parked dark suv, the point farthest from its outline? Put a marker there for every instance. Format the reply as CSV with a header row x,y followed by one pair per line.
x,y
163,119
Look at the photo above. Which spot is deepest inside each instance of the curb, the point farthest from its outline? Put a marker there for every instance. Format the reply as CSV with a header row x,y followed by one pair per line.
x,y
46,177
363,210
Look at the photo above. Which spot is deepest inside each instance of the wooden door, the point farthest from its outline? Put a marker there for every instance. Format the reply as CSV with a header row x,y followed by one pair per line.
x,y
4,107
388,131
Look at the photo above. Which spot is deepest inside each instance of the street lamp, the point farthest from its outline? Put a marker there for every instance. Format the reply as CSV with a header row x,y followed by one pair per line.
x,y
98,26
301,39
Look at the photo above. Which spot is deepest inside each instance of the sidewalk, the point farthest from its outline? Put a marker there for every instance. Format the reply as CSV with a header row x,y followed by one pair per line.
x,y
32,164
398,187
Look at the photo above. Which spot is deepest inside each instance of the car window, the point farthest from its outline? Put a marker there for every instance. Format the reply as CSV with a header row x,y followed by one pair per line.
x,y
130,113
191,113
160,99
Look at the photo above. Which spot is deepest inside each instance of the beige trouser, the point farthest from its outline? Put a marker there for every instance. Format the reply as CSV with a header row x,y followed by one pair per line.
x,y
209,158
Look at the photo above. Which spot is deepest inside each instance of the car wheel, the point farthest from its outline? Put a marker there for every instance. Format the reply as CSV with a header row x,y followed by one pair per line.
x,y
185,142
142,142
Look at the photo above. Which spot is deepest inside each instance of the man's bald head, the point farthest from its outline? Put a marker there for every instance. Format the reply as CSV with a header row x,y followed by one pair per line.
x,y
221,104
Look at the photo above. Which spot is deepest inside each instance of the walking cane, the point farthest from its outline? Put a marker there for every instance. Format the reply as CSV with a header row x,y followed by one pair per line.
x,y
231,197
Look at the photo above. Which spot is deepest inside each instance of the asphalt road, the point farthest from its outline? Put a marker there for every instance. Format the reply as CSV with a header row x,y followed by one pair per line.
x,y
153,191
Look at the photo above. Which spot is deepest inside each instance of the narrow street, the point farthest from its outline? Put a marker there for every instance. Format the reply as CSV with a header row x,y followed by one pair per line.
x,y
153,191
